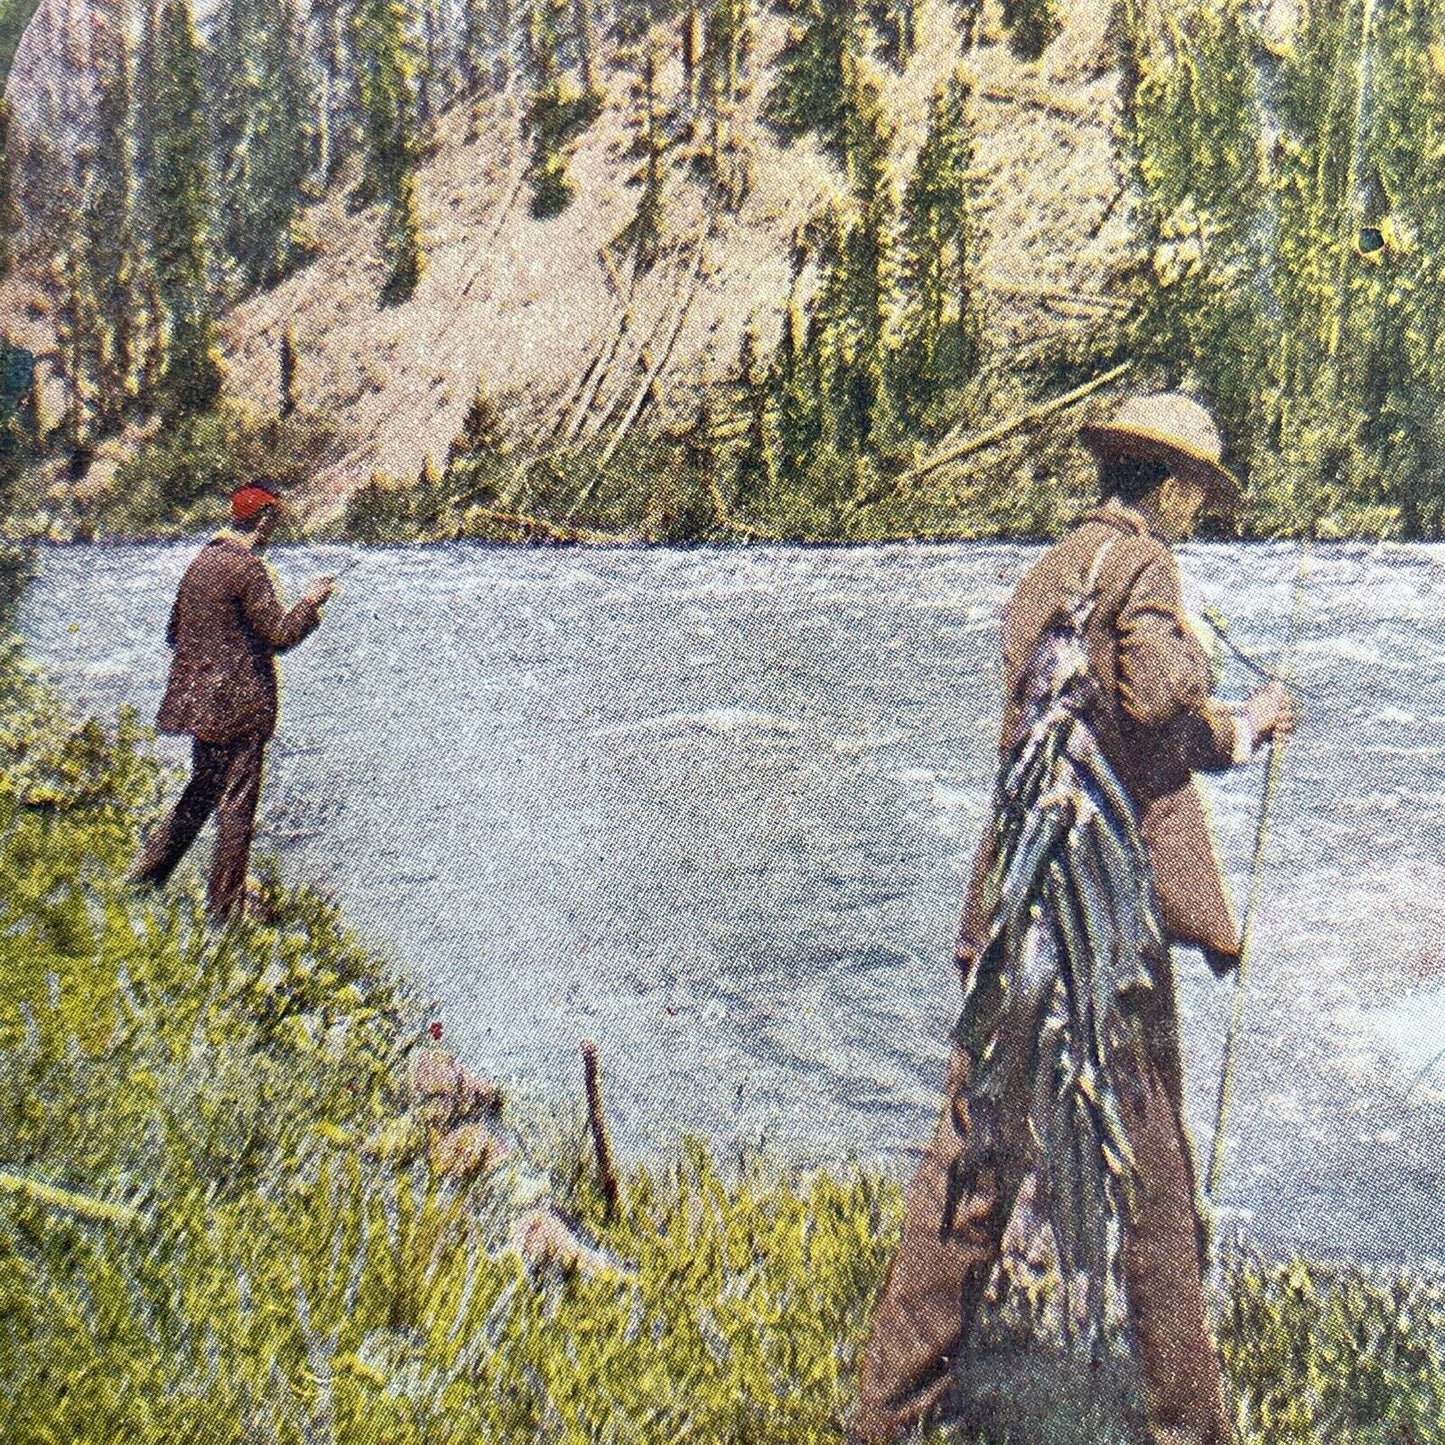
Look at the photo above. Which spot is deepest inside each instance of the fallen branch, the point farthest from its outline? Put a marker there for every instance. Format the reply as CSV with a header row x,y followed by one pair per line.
x,y
1043,100
608,355
733,524
995,434
606,1169
556,531
1056,293
653,372
644,359
95,1211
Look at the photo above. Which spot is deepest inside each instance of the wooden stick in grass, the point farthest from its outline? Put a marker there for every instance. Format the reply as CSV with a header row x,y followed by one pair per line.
x,y
95,1211
606,1170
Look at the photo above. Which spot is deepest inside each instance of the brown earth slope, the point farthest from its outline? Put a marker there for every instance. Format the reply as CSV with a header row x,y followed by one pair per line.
x,y
526,305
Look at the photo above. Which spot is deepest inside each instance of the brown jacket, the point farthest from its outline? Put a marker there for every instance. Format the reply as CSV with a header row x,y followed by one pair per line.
x,y
226,628
1156,721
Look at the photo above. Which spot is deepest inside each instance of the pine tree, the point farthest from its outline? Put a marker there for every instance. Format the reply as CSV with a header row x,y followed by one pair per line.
x,y
1032,26
503,70
10,218
751,469
940,329
896,23
143,141
175,206
401,244
796,383
642,236
259,118
78,328
724,51
286,364
327,62
586,45
472,44
808,94
45,194
386,98
106,221
555,113
856,290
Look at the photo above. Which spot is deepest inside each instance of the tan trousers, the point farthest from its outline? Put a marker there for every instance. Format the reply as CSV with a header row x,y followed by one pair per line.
x,y
225,780
947,1255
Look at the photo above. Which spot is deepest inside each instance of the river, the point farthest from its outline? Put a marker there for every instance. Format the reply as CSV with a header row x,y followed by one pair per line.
x,y
714,809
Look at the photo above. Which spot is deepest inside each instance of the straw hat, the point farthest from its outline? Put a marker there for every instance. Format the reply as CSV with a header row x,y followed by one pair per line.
x,y
1168,427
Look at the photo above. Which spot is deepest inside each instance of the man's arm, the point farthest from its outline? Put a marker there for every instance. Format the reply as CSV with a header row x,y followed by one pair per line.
x,y
1164,681
277,627
1164,676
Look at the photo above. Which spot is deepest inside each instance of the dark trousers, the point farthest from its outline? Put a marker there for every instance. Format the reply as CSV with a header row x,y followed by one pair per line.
x,y
225,780
941,1270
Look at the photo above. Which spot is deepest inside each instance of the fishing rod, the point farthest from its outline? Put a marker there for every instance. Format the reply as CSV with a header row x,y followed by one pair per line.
x,y
1251,908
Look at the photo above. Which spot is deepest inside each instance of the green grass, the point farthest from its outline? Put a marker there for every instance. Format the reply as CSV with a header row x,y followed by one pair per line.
x,y
194,1245
14,17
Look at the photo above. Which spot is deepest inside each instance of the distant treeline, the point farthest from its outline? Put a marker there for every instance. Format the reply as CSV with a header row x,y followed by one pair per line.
x,y
1287,198
1293,203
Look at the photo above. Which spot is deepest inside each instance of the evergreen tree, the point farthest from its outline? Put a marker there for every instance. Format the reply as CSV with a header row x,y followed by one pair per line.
x,y
797,384
78,328
642,236
586,45
808,94
45,171
1032,26
10,220
856,290
751,469
286,364
260,112
503,45
896,24
106,223
478,461
472,44
555,113
386,98
724,52
327,62
143,113
401,244
940,331
175,207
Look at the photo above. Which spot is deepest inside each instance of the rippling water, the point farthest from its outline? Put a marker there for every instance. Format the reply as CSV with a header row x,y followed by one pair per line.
x,y
714,809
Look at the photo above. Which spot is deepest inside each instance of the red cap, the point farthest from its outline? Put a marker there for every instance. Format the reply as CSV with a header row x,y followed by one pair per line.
x,y
252,499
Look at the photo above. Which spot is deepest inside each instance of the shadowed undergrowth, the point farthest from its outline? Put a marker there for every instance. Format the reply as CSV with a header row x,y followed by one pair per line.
x,y
224,1262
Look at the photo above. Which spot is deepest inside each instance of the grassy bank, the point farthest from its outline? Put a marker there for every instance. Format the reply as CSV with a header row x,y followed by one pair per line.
x,y
195,1245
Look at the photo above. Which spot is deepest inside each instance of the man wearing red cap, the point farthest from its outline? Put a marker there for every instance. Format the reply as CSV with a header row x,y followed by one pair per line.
x,y
226,628
1066,1060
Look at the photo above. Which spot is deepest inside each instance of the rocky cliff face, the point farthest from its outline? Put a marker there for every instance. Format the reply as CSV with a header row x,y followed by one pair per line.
x,y
543,312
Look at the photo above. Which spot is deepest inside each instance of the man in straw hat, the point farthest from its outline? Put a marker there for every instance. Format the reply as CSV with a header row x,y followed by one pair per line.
x,y
226,628
1066,1063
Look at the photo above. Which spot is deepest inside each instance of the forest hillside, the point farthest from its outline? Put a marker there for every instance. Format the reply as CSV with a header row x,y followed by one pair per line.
x,y
686,269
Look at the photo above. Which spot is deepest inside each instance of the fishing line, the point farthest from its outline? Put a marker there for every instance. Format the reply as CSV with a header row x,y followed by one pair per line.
x,y
1251,907
1220,628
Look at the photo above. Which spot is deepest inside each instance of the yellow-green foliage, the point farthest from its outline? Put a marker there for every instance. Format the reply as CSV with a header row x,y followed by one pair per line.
x,y
1338,1355
276,1283
195,1246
